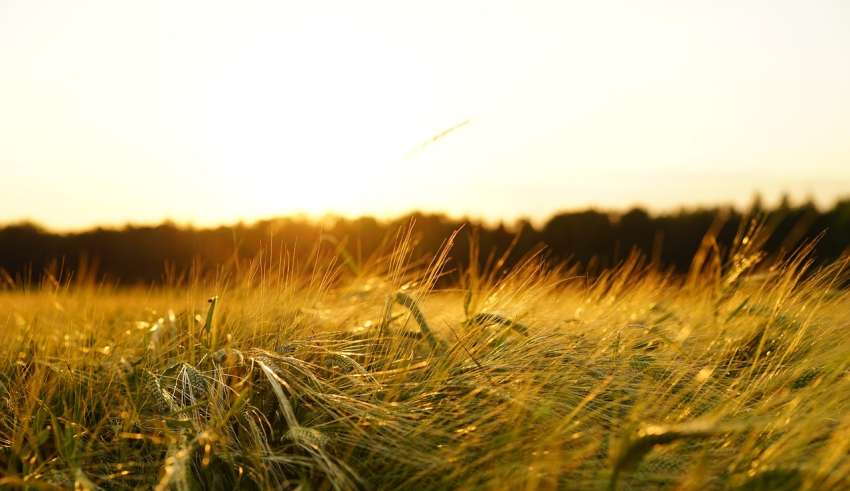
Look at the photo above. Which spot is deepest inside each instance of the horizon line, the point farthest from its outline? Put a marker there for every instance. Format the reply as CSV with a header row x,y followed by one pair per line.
x,y
316,218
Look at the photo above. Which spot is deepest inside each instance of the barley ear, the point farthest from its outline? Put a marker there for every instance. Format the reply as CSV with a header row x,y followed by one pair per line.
x,y
407,301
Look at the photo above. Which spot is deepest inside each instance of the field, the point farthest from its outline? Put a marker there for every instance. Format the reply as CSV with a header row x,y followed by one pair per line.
x,y
399,374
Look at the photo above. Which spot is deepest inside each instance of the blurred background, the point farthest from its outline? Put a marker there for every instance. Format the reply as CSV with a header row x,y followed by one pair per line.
x,y
135,134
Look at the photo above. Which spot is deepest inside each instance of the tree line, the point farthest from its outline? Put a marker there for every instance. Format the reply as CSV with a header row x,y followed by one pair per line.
x,y
590,239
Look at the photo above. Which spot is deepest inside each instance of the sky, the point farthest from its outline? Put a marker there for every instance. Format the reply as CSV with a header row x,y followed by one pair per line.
x,y
211,112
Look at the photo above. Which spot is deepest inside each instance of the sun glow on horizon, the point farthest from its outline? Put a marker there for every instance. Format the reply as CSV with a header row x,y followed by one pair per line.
x,y
209,112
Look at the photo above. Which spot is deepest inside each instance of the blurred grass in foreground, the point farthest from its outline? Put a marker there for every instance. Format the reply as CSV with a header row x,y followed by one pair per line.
x,y
331,375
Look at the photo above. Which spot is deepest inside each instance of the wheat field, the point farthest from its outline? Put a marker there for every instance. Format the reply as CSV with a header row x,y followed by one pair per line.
x,y
394,373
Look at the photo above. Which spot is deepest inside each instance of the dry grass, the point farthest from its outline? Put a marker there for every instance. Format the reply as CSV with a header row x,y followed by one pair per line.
x,y
313,376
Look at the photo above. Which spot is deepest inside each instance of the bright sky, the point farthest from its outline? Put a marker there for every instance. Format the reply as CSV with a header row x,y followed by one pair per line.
x,y
206,111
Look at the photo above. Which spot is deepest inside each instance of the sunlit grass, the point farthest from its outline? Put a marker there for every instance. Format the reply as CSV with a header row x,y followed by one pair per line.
x,y
330,375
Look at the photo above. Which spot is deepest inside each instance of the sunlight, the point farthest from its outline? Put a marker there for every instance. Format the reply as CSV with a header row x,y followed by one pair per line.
x,y
290,130
223,113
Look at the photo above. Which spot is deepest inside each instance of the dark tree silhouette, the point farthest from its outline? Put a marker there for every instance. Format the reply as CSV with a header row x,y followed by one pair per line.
x,y
591,239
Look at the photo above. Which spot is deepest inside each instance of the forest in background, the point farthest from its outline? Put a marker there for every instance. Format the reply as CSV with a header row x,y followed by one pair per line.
x,y
590,239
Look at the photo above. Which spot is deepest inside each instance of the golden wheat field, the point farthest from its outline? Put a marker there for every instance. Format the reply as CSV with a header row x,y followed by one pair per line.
x,y
399,374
